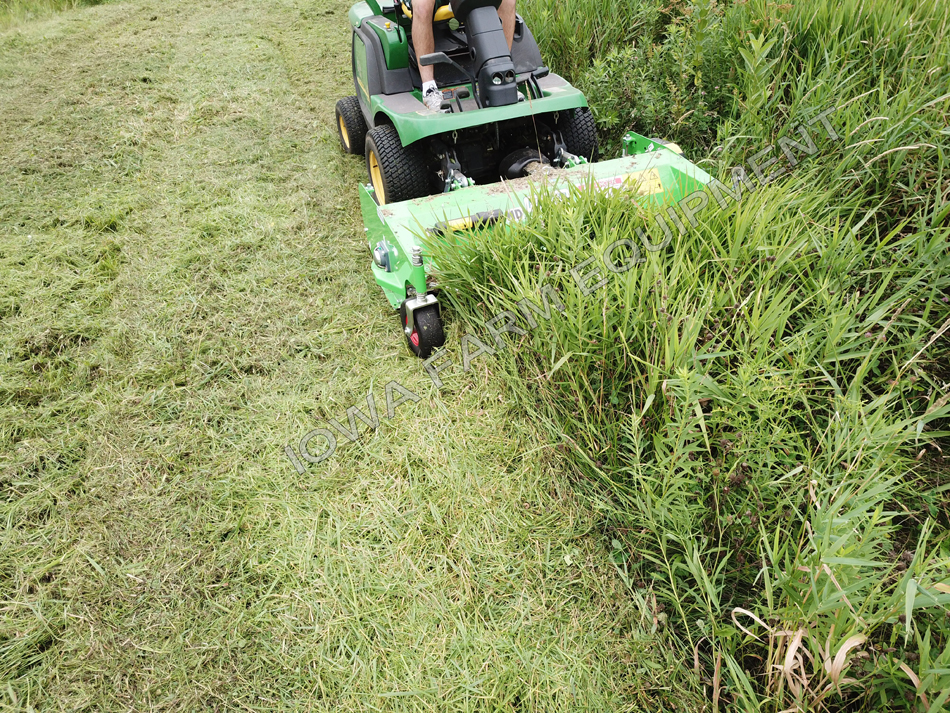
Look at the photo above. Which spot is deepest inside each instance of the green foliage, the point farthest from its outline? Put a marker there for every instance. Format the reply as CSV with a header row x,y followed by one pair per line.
x,y
677,88
572,34
759,408
664,70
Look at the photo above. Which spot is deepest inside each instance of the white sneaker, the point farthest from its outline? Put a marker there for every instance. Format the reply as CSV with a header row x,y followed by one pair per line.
x,y
433,100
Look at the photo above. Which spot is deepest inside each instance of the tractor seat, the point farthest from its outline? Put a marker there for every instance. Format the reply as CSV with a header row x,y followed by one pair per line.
x,y
441,14
463,8
455,8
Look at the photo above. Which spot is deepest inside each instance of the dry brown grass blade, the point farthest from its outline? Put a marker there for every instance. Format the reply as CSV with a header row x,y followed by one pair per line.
x,y
752,616
836,667
831,636
916,681
717,688
792,659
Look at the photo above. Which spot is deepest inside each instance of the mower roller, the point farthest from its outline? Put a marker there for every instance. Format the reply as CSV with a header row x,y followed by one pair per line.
x,y
507,125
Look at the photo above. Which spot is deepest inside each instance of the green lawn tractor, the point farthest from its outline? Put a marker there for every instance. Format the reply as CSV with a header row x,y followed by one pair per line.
x,y
505,124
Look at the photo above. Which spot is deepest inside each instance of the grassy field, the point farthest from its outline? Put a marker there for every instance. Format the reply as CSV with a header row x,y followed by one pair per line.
x,y
183,292
718,483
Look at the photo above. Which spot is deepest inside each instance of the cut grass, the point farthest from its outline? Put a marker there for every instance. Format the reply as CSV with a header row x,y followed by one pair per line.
x,y
184,290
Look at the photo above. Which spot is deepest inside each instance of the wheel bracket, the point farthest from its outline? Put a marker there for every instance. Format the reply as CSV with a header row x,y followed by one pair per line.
x,y
411,305
562,157
451,171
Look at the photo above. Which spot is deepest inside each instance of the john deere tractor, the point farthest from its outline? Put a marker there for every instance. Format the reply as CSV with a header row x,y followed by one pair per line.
x,y
506,122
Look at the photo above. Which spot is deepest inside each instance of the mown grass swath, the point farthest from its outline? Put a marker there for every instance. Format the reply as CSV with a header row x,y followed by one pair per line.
x,y
759,407
180,297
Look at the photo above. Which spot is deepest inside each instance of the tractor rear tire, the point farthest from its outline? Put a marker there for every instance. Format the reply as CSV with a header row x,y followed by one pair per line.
x,y
350,125
397,172
579,130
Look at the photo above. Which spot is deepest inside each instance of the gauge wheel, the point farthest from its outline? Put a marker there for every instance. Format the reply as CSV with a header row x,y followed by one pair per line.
x,y
427,334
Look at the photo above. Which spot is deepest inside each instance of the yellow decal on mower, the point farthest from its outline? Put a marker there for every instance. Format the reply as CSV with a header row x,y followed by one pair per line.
x,y
476,220
646,182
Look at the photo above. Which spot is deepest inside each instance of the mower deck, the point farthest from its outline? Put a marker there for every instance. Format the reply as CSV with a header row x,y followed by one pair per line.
x,y
395,230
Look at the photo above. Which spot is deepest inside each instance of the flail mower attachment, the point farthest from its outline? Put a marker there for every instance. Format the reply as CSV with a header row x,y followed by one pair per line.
x,y
657,173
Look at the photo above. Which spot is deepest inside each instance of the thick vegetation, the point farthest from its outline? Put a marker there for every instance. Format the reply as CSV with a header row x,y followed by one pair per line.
x,y
758,406
754,412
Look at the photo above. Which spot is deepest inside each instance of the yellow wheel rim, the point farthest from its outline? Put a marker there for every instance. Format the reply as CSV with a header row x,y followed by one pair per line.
x,y
376,177
345,134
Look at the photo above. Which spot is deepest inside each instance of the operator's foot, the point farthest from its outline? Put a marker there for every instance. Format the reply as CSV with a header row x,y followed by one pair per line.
x,y
433,100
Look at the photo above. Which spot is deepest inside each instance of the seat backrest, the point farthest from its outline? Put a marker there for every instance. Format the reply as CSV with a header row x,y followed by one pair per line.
x,y
462,8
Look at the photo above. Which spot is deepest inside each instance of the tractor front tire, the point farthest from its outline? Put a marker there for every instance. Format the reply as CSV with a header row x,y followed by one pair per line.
x,y
579,130
397,172
350,125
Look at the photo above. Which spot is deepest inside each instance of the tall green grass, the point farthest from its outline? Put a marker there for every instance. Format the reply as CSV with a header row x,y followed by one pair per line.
x,y
16,11
885,66
753,405
571,35
661,68
759,408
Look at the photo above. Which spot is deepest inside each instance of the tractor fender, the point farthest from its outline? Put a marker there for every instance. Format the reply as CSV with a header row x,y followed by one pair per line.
x,y
371,76
414,123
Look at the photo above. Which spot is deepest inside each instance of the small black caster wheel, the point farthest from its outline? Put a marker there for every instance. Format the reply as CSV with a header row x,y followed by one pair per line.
x,y
426,335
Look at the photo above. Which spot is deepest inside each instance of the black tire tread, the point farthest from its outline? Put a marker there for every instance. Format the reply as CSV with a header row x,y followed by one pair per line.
x,y
403,168
431,334
348,108
579,130
429,326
